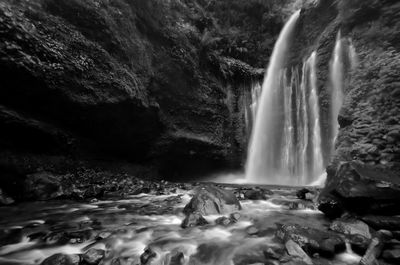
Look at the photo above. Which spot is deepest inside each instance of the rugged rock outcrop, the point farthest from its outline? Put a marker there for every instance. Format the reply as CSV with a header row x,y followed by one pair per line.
x,y
212,200
151,82
365,166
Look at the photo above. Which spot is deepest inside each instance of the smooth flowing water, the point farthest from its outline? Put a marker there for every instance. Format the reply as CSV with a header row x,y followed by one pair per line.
x,y
261,162
125,227
286,143
337,80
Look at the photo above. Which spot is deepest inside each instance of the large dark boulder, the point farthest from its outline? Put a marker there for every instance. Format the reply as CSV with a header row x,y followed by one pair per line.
x,y
62,259
363,189
312,240
212,200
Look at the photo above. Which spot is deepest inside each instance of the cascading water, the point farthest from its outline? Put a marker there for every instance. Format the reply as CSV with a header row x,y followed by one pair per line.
x,y
285,146
261,160
336,76
317,160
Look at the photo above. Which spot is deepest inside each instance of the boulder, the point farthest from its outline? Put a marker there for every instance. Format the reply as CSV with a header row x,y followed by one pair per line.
x,y
361,188
377,222
224,221
296,251
312,240
93,256
351,227
254,194
62,259
193,219
372,254
212,200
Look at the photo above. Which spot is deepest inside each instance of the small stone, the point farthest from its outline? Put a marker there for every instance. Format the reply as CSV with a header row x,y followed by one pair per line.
x,y
235,217
194,219
224,221
147,256
252,230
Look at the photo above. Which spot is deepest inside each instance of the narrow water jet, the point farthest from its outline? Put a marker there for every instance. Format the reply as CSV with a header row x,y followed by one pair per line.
x,y
336,77
316,158
261,160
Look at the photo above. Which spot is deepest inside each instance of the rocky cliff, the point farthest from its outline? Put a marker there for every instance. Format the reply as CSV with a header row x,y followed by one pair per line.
x,y
363,175
160,84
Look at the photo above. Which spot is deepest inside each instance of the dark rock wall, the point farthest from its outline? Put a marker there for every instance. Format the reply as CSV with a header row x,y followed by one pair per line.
x,y
151,82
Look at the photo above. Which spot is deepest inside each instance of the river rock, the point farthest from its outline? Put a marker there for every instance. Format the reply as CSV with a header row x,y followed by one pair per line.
x,y
351,227
362,189
254,194
224,221
312,240
379,222
147,256
93,256
62,259
193,219
296,251
372,254
212,200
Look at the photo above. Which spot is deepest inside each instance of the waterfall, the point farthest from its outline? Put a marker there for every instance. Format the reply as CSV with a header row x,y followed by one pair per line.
x,y
296,146
336,77
261,162
317,160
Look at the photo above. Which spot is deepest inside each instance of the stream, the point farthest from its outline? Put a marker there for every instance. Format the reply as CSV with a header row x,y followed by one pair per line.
x,y
123,228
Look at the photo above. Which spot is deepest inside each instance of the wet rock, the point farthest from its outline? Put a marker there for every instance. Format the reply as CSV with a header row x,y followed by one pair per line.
x,y
255,195
392,255
212,200
306,194
296,251
93,256
177,259
351,227
391,223
312,240
359,244
62,259
363,189
224,221
252,230
235,217
147,256
331,206
193,219
42,186
372,253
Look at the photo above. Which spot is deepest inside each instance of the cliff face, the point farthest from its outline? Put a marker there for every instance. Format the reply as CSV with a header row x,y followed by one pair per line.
x,y
156,83
365,163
